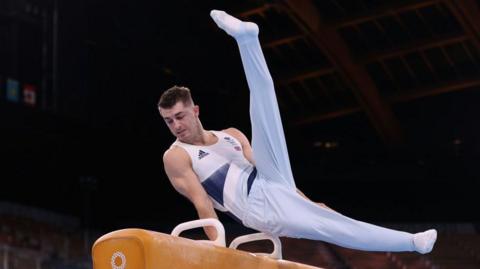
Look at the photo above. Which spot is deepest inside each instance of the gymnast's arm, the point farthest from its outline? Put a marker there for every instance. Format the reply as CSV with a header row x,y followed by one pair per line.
x,y
180,173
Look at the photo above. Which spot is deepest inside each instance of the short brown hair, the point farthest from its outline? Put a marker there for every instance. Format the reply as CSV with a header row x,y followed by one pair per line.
x,y
173,95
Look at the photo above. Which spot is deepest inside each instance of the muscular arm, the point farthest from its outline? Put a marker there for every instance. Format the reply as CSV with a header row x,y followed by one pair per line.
x,y
180,173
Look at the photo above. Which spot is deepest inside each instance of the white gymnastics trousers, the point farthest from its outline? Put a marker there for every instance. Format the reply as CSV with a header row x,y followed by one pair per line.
x,y
274,206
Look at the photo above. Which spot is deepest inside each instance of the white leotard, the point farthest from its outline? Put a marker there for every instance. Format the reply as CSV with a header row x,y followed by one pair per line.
x,y
223,171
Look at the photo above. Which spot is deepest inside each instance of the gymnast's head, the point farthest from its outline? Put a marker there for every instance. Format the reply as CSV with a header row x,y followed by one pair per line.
x,y
180,113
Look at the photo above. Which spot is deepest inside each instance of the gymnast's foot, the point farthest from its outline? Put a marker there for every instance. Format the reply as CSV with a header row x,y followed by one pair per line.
x,y
240,30
424,242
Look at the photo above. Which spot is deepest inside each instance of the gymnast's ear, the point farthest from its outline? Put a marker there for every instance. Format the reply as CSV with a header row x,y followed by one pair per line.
x,y
196,110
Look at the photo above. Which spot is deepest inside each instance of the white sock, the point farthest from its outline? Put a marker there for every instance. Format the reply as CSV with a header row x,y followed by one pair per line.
x,y
424,241
238,29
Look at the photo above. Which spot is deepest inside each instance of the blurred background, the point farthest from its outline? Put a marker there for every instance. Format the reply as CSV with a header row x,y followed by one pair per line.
x,y
379,100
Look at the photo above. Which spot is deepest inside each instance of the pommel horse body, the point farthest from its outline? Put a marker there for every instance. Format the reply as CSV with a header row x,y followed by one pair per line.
x,y
144,249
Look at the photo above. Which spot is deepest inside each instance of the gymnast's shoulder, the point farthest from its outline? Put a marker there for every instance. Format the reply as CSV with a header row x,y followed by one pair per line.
x,y
237,134
175,156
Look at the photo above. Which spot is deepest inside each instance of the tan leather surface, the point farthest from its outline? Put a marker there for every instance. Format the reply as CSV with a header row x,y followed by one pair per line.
x,y
142,249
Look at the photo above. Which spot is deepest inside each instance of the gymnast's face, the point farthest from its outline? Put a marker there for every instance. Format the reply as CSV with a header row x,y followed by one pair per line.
x,y
182,120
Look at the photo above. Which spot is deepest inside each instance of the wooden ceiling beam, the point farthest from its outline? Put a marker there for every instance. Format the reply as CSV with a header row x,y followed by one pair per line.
x,y
467,13
416,46
306,15
382,12
282,41
307,75
327,116
404,97
427,92
260,10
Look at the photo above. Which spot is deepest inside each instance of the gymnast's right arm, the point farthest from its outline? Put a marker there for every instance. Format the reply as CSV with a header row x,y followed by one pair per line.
x,y
180,173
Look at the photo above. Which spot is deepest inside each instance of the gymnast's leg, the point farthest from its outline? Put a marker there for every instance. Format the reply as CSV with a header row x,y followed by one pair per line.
x,y
268,139
289,214
271,157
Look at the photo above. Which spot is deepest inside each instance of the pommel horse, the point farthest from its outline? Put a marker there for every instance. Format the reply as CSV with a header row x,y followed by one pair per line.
x,y
144,249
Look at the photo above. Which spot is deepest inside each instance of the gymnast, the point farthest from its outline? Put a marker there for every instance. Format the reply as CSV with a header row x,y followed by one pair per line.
x,y
254,184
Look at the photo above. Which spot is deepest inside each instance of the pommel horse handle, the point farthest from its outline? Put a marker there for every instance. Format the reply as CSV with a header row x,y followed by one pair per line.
x,y
277,244
219,241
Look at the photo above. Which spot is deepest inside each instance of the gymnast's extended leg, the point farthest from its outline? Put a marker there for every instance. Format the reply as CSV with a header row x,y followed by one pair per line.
x,y
296,216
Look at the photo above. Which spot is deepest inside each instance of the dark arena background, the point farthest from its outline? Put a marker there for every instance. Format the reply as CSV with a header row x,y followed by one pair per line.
x,y
380,101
